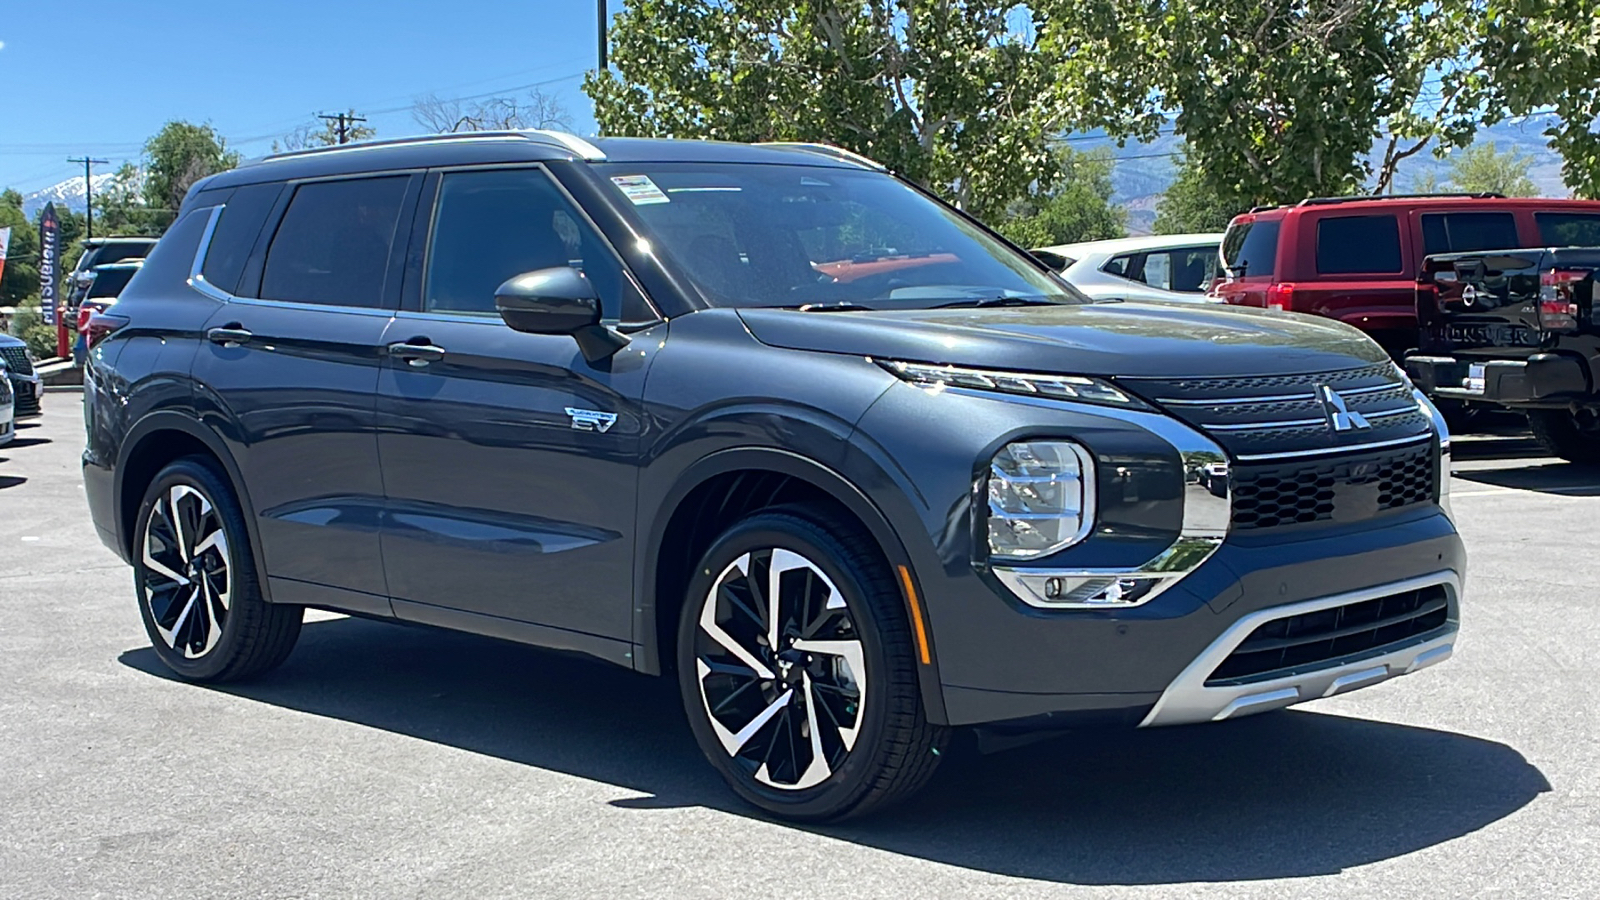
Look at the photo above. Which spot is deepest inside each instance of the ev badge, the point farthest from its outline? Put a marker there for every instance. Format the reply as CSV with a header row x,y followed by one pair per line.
x,y
591,420
1339,415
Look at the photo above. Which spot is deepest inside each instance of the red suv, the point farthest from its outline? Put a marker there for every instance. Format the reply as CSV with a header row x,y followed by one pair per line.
x,y
1356,259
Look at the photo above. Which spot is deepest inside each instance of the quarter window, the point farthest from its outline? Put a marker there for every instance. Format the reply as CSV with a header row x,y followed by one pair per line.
x,y
332,246
235,236
1568,229
1467,231
494,225
1358,245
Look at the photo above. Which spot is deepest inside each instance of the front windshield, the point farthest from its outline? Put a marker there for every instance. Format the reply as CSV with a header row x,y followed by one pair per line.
x,y
792,235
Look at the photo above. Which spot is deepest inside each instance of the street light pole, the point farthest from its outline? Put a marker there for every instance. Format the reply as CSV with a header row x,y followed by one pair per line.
x,y
600,12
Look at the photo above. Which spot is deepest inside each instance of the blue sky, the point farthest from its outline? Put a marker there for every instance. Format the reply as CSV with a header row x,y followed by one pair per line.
x,y
100,77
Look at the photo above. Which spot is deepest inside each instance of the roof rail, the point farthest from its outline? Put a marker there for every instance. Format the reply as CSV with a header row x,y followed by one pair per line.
x,y
568,142
827,150
1478,195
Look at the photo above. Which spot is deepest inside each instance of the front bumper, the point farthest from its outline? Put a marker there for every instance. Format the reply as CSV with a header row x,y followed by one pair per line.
x,y
1189,699
1541,379
30,394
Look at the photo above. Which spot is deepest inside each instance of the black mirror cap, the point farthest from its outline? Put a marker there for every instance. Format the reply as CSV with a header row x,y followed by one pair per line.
x,y
558,300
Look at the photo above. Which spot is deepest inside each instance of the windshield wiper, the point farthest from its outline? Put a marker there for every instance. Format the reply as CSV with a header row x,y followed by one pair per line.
x,y
983,302
845,306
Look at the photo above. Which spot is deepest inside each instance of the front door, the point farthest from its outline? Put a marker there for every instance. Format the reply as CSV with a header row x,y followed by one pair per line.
x,y
509,462
288,376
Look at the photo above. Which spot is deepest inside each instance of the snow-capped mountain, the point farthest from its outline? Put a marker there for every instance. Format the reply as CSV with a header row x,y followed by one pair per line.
x,y
68,194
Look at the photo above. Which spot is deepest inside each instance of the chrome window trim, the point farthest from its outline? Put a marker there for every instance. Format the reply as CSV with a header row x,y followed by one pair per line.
x,y
197,280
1187,699
1206,516
828,150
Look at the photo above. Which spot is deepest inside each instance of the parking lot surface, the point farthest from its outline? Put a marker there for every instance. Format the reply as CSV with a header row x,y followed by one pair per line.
x,y
386,761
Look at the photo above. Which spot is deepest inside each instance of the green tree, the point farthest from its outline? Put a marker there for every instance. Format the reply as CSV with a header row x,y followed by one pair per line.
x,y
1077,207
20,280
120,206
180,154
1277,100
30,326
1191,205
945,92
1481,168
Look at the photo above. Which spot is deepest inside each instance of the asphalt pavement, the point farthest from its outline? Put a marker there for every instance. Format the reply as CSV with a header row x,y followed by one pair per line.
x,y
387,761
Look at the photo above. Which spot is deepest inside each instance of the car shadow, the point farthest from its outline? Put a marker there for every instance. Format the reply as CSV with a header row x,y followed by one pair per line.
x,y
10,480
1566,479
19,442
1288,794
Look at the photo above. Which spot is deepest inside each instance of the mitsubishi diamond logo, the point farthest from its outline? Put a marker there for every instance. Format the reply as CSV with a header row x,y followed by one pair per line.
x,y
1339,415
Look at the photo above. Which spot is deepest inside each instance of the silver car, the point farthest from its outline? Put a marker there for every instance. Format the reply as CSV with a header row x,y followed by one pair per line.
x,y
1158,267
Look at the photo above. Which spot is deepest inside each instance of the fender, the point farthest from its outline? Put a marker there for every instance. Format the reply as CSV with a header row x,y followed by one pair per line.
x,y
171,420
653,524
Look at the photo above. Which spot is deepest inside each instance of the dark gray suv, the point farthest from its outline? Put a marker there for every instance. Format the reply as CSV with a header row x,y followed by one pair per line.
x,y
768,418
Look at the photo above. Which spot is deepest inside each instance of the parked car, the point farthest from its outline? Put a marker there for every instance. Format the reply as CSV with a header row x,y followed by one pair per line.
x,y
105,283
1516,329
1356,259
8,412
98,252
767,418
1157,267
25,382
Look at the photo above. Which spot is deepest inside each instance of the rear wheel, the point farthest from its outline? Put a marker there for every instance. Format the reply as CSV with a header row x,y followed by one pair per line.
x,y
1571,436
796,668
194,575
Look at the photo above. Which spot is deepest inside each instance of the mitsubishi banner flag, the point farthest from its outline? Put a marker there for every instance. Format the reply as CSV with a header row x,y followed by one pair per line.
x,y
5,241
49,262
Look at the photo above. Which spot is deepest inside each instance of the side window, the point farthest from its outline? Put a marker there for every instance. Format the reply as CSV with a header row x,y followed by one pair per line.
x,y
1568,229
1157,270
1358,245
1462,232
332,246
1191,270
1118,265
490,226
236,233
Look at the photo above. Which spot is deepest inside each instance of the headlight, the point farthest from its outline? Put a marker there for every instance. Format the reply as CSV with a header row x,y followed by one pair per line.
x,y
1041,498
1054,387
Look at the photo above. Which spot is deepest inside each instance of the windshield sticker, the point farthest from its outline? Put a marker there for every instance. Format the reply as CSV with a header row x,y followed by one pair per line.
x,y
639,189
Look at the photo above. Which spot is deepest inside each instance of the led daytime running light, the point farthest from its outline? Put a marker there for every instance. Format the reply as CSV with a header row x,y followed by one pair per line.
x,y
1055,387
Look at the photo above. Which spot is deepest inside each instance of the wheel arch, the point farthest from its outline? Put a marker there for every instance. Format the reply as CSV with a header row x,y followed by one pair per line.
x,y
676,533
156,440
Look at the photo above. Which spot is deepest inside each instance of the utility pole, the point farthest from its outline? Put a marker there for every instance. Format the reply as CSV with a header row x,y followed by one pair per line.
x,y
344,121
600,11
88,190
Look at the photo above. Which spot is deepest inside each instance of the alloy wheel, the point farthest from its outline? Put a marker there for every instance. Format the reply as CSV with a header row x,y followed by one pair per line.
x,y
186,568
781,669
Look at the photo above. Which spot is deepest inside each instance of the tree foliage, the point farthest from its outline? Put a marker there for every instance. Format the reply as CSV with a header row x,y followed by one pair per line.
x,y
534,110
180,154
324,133
1192,206
1077,207
946,92
1482,168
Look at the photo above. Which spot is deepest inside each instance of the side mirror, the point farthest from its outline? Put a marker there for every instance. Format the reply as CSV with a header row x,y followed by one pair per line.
x,y
558,300
1055,262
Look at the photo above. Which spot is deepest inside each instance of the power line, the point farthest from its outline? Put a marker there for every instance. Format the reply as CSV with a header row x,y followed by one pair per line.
x,y
345,121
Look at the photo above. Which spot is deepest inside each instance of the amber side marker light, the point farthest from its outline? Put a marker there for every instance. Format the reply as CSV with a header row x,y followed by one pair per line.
x,y
916,615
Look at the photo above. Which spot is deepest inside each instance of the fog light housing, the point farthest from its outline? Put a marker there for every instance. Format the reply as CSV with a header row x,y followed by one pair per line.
x,y
1041,498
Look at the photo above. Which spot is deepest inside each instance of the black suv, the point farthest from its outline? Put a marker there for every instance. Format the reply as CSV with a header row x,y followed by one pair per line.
x,y
766,417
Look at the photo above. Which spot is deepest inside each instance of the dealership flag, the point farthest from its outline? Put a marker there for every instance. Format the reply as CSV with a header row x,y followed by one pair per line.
x,y
5,241
49,262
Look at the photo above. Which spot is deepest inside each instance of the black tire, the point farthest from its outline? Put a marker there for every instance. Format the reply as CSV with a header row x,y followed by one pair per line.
x,y
212,622
895,748
1572,436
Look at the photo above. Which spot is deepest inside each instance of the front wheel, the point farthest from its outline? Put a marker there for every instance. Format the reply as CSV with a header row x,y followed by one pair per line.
x,y
796,667
1572,436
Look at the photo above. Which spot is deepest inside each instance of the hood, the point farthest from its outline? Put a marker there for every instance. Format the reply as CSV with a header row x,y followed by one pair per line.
x,y
1133,339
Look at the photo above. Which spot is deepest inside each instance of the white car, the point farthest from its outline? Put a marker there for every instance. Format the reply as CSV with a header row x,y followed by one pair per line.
x,y
8,408
1160,267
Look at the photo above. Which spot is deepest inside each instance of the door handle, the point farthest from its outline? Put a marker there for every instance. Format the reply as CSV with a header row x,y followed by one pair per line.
x,y
231,335
418,351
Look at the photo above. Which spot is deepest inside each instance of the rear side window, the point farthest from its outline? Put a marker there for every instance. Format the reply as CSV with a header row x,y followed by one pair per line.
x,y
236,233
332,246
1358,245
1466,231
1251,248
1568,229
109,282
493,225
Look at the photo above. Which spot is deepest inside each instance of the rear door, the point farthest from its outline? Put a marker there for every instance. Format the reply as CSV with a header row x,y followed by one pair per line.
x,y
289,373
1363,274
510,462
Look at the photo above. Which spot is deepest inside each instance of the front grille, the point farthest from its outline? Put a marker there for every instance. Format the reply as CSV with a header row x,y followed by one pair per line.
x,y
27,402
1275,415
17,359
1346,489
1295,643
